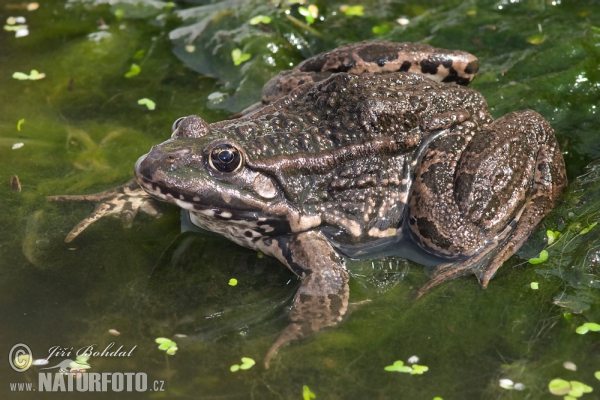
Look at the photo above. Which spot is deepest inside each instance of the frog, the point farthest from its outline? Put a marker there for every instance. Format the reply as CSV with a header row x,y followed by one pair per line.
x,y
372,149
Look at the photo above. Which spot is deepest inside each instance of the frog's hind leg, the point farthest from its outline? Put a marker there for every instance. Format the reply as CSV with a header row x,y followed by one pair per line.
x,y
483,265
504,181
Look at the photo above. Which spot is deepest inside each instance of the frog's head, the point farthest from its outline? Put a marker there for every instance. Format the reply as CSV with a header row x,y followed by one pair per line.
x,y
204,170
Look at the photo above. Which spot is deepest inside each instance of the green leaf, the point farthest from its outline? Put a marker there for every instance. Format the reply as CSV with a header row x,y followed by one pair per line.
x,y
161,340
14,28
165,346
234,368
233,282
534,285
536,39
381,29
542,257
148,103
34,75
588,326
260,19
171,350
353,11
398,366
20,123
238,57
559,387
133,71
580,387
597,375
306,14
552,236
307,394
247,363
419,369
82,359
139,55
20,76
589,228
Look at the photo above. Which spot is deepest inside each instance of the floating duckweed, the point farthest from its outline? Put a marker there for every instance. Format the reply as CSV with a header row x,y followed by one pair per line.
x,y
20,123
233,282
18,145
307,394
552,236
238,57
570,366
588,326
260,255
536,39
119,13
81,362
148,103
569,389
260,19
133,71
190,48
534,285
247,363
589,228
167,345
353,11
597,375
579,388
34,75
419,369
381,29
309,13
399,366
506,384
538,260
559,387
437,398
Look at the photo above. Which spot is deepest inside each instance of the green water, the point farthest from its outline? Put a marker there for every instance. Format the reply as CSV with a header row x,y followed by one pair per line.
x,y
83,131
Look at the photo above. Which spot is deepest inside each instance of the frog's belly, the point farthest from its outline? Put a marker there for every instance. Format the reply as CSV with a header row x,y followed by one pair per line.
x,y
400,245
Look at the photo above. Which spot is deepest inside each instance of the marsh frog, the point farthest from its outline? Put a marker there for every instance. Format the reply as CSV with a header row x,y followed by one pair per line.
x,y
370,150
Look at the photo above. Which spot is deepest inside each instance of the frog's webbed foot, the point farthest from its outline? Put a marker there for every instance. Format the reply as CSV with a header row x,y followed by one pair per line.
x,y
124,201
322,299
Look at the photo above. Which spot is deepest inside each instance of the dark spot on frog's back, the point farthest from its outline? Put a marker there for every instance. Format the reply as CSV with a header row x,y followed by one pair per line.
x,y
472,67
405,66
377,53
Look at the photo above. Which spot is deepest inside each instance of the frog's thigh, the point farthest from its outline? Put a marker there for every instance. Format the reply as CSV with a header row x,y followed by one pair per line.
x,y
482,199
546,182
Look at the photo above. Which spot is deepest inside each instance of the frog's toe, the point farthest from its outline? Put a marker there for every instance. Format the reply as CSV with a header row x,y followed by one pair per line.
x,y
124,201
443,273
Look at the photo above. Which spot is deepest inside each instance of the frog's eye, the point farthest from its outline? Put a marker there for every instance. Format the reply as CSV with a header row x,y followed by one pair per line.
x,y
176,124
225,158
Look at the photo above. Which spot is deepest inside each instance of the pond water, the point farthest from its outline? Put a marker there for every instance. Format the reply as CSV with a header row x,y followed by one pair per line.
x,y
83,129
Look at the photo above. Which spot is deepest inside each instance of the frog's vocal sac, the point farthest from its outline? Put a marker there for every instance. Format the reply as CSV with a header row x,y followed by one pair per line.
x,y
372,149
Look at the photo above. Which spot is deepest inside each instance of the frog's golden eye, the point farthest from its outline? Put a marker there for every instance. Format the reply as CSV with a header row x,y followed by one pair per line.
x,y
176,124
225,158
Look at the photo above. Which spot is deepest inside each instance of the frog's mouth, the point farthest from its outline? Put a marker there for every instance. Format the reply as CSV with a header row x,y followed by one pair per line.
x,y
207,201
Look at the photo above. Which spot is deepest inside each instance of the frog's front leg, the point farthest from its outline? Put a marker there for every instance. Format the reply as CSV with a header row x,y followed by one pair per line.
x,y
124,201
322,299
